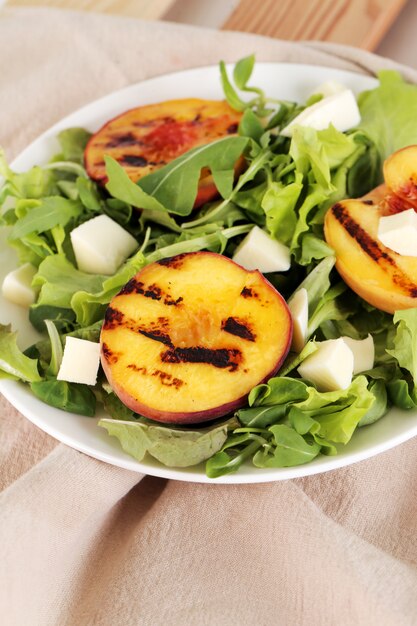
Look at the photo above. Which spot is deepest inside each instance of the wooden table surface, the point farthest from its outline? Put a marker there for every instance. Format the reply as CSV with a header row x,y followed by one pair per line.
x,y
361,23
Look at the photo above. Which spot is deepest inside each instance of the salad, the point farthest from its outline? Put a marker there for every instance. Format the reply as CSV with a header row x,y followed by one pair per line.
x,y
288,185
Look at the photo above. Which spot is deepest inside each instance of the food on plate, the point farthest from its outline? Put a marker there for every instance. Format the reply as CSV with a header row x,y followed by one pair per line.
x,y
400,174
17,285
188,337
80,361
101,245
171,299
379,274
260,251
339,109
146,138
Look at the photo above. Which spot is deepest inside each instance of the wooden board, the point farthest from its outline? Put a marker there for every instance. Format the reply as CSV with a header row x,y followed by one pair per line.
x,y
361,23
145,9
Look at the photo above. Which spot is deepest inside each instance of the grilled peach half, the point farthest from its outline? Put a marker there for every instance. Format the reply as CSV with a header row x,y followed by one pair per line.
x,y
146,138
379,275
188,337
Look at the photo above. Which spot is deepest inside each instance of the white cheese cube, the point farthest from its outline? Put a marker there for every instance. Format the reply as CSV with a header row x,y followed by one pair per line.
x,y
17,285
340,109
101,245
363,353
331,367
258,251
399,232
80,361
298,306
329,88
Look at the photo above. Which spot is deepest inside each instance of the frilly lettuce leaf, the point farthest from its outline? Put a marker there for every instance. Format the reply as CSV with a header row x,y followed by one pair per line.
x,y
388,113
13,363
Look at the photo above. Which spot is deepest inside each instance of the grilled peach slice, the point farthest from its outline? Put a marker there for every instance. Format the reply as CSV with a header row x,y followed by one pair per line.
x,y
400,173
188,337
148,137
379,275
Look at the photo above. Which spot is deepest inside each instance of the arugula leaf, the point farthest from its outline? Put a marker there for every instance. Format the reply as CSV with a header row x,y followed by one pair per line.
x,y
242,71
239,446
175,185
289,448
50,212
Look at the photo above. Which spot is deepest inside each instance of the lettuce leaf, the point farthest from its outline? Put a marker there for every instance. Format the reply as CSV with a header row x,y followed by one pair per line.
x,y
388,113
405,341
13,363
170,446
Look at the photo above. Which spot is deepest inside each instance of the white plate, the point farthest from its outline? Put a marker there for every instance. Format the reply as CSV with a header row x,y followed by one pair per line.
x,y
287,81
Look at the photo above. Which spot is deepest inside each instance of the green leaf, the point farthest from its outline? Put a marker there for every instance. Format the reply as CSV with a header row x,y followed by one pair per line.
x,y
338,412
56,348
278,390
380,405
58,280
279,204
242,71
73,142
289,449
172,447
230,92
238,448
250,126
71,397
49,213
388,113
405,341
175,185
12,360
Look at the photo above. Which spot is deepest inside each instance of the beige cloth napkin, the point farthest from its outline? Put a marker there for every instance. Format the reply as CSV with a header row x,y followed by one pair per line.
x,y
84,543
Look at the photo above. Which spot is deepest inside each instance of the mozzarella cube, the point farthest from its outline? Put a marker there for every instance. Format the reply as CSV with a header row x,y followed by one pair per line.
x,y
363,353
340,109
329,88
298,306
258,251
330,368
399,232
17,285
80,361
101,245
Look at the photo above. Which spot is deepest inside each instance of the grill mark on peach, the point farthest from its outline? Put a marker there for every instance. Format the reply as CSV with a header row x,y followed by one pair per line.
x,y
247,292
222,358
120,141
167,379
169,301
156,335
373,250
238,328
137,368
152,291
133,160
110,356
112,318
174,262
